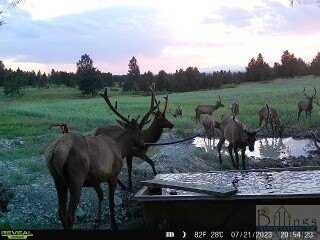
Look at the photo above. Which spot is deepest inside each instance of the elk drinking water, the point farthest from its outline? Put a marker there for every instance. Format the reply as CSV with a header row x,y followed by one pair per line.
x,y
150,135
207,109
238,136
77,161
270,116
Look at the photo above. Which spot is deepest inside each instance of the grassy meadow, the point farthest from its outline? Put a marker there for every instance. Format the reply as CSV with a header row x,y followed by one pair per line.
x,y
29,116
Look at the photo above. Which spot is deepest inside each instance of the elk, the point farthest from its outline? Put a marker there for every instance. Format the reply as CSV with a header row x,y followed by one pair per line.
x,y
177,112
235,108
150,135
207,109
209,124
77,161
306,105
238,136
269,116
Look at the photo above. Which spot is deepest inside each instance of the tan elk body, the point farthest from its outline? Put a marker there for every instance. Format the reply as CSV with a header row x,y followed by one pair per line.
x,y
238,136
207,109
77,161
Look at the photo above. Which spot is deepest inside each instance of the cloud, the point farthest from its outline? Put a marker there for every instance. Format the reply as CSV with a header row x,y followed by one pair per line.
x,y
108,35
271,17
231,16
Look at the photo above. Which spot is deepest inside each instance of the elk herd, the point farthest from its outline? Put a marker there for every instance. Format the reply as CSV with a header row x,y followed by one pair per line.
x,y
75,160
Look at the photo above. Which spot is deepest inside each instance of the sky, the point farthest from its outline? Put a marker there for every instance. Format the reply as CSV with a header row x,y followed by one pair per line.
x,y
166,34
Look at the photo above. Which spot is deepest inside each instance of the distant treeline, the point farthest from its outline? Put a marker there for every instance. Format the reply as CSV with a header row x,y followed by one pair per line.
x,y
90,80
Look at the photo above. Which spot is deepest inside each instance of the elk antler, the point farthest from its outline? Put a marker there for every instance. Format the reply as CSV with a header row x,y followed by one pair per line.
x,y
145,119
113,109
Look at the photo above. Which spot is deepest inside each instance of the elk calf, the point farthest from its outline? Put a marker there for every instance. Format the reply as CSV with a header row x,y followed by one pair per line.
x,y
238,136
269,116
207,109
209,125
306,105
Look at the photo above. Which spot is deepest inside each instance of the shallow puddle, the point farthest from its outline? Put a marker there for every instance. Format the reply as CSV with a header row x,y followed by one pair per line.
x,y
275,148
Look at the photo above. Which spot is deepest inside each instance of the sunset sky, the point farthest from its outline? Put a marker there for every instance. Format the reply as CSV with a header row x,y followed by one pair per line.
x,y
166,34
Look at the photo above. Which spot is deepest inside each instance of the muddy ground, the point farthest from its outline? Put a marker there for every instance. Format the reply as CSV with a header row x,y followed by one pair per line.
x,y
34,206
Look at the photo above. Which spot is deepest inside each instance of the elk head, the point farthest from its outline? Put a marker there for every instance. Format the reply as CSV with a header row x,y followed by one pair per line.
x,y
310,98
160,116
132,126
251,138
219,103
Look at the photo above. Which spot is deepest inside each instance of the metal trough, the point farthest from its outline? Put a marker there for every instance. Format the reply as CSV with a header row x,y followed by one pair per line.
x,y
167,208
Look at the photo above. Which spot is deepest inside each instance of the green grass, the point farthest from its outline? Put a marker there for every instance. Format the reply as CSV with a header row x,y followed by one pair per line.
x,y
30,115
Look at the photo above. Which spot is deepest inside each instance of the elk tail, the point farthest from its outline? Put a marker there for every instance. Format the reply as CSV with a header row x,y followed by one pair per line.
x,y
56,159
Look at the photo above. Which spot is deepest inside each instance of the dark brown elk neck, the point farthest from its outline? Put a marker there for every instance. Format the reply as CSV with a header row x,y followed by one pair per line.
x,y
124,142
215,107
153,133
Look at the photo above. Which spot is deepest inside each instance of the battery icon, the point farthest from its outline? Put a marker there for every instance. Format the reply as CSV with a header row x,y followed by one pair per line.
x,y
169,234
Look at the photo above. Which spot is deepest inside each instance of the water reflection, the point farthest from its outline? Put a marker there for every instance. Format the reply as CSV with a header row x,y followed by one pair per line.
x,y
252,183
275,148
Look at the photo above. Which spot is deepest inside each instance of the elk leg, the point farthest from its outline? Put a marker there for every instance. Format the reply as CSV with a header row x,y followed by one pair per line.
x,y
151,163
230,147
243,156
306,114
62,192
299,113
235,149
129,166
112,187
75,192
122,185
219,146
100,198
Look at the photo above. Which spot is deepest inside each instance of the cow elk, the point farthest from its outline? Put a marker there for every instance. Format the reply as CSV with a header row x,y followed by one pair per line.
x,y
207,109
238,136
151,134
269,116
306,105
77,161
209,125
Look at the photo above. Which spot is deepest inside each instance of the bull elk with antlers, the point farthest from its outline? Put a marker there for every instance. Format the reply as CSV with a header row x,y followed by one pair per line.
x,y
150,135
306,105
77,161
207,109
270,116
238,136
